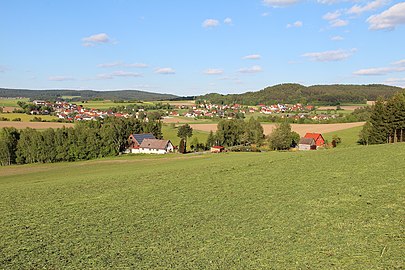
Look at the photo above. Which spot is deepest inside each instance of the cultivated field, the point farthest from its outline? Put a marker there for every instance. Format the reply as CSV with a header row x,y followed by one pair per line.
x,y
332,209
299,128
35,125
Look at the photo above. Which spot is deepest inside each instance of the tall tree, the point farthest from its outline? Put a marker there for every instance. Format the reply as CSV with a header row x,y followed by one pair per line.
x,y
281,137
184,132
8,145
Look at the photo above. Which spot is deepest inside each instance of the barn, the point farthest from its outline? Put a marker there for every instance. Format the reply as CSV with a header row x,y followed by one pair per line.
x,y
318,138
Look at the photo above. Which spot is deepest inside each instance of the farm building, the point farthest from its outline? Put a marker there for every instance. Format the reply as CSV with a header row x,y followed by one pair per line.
x,y
154,146
318,138
307,144
135,140
217,149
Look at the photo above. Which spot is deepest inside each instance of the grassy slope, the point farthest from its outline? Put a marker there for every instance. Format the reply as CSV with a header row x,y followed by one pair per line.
x,y
349,136
336,209
170,133
27,117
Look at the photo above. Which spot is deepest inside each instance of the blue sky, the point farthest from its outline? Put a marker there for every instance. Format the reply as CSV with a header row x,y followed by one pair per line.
x,y
197,47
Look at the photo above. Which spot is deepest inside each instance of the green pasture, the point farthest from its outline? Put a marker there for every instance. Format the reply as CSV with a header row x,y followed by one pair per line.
x,y
334,209
106,104
170,133
27,117
11,102
349,136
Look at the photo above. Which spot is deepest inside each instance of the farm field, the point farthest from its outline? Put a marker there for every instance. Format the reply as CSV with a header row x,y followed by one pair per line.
x,y
27,117
106,104
299,128
35,125
349,136
187,120
11,102
334,209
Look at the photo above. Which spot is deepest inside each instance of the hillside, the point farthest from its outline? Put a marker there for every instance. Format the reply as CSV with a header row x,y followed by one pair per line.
x,y
332,209
85,94
317,94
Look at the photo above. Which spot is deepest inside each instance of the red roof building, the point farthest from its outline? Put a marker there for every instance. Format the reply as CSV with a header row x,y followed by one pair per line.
x,y
318,138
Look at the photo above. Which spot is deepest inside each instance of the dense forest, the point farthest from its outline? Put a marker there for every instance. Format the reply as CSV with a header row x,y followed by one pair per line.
x,y
88,140
315,95
85,94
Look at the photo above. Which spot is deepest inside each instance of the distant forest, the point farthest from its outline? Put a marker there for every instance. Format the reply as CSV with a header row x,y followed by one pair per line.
x,y
85,94
316,95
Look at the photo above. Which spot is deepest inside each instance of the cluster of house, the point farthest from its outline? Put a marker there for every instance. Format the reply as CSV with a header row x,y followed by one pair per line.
x,y
311,141
282,108
211,110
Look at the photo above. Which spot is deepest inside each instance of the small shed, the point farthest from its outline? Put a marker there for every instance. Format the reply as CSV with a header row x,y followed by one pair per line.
x,y
307,144
217,149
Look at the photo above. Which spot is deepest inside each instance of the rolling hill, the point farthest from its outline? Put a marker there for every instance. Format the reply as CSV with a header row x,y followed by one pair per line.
x,y
317,94
86,94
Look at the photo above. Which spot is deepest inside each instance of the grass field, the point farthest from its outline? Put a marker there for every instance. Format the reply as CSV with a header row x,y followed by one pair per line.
x,y
106,104
335,209
170,133
349,136
26,117
11,102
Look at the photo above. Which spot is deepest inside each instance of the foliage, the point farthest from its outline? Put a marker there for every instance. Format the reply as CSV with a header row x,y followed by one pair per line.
x,y
339,209
281,138
296,93
387,121
184,132
8,145
211,141
79,95
88,140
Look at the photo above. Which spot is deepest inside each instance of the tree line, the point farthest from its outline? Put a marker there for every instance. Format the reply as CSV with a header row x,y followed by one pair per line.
x,y
387,121
87,140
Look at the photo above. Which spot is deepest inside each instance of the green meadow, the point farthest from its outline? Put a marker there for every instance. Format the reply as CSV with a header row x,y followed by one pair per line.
x,y
11,102
106,104
27,117
334,209
170,133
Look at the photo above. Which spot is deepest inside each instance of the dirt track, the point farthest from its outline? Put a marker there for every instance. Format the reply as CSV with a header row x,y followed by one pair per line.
x,y
35,125
299,128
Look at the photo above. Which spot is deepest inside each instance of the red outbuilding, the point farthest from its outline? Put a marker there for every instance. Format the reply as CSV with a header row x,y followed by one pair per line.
x,y
318,138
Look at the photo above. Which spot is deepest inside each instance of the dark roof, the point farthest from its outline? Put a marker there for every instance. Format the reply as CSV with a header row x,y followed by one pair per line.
x,y
309,141
154,144
140,137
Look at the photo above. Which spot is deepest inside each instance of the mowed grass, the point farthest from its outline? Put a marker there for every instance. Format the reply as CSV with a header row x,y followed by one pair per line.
x,y
336,209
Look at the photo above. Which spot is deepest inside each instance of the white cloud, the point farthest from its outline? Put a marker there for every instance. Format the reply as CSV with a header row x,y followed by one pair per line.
x,y
108,65
61,78
339,23
165,71
252,57
253,69
357,9
210,23
122,64
389,19
92,40
395,82
228,21
296,24
265,14
378,71
329,56
279,3
137,65
330,16
399,63
121,73
213,71
336,38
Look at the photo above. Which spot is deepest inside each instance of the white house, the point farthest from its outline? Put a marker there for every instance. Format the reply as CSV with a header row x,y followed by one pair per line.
x,y
154,146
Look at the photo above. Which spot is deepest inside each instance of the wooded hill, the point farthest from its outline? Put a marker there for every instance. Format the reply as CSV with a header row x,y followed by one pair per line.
x,y
317,94
85,94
